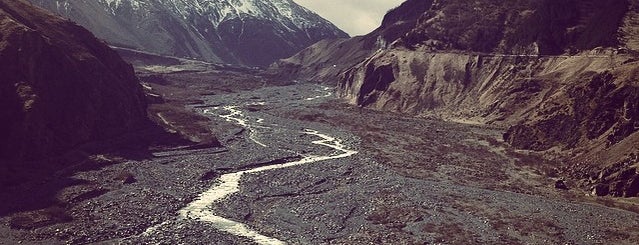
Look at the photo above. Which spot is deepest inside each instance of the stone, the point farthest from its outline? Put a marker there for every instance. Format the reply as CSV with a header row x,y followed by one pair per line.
x,y
601,190
561,184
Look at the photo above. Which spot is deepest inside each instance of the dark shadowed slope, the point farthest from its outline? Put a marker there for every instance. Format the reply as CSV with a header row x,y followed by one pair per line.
x,y
59,85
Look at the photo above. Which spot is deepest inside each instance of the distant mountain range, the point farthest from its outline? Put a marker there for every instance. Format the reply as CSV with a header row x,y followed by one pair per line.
x,y
249,32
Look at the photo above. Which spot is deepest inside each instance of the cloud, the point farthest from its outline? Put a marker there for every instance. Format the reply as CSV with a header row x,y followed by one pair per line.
x,y
356,17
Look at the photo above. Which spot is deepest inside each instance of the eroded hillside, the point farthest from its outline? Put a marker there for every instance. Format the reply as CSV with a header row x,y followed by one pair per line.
x,y
559,76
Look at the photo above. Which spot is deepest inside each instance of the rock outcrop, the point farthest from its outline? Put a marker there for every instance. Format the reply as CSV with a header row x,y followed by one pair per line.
x,y
557,75
594,106
249,32
59,85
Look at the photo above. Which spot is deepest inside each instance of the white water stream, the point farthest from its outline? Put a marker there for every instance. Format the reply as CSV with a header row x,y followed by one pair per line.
x,y
238,117
200,209
230,183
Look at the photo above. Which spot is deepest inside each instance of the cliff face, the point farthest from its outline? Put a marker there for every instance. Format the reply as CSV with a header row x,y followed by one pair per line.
x,y
558,75
489,58
595,106
521,63
551,101
60,86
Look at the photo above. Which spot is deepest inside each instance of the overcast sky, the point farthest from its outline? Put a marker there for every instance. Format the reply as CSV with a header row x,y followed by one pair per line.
x,y
356,17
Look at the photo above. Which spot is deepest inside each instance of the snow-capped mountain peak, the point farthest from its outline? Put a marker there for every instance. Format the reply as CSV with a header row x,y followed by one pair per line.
x,y
254,32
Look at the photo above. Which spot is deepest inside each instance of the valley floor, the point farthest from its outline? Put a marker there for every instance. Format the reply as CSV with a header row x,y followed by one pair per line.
x,y
411,181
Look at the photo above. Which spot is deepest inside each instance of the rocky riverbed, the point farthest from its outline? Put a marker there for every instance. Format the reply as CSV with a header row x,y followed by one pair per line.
x,y
397,180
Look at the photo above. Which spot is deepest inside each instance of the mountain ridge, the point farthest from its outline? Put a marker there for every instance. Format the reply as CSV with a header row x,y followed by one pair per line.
x,y
249,32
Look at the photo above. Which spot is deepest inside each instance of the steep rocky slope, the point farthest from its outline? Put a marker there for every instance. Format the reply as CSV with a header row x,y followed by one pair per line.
x,y
324,60
250,32
60,86
560,76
